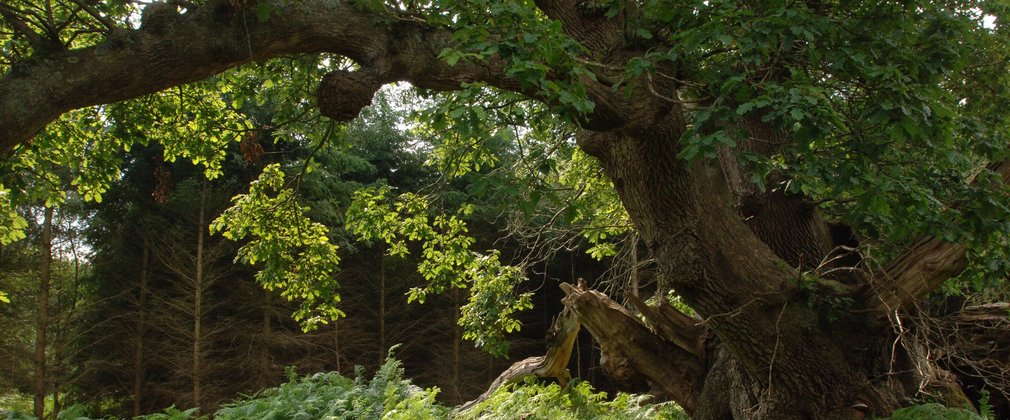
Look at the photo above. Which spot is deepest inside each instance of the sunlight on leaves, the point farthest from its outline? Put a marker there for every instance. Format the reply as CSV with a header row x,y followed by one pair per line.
x,y
294,253
447,261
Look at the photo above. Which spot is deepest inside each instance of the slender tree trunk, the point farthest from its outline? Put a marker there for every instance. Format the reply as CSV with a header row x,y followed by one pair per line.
x,y
42,322
336,344
139,372
266,331
456,339
633,281
67,298
56,400
382,307
198,281
59,345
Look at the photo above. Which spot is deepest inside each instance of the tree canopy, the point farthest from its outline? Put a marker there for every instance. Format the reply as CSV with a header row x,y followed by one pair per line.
x,y
801,174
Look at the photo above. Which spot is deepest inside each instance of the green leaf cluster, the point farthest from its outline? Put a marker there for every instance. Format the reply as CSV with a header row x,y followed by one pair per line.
x,y
192,122
447,260
12,225
517,157
887,113
536,51
296,252
83,151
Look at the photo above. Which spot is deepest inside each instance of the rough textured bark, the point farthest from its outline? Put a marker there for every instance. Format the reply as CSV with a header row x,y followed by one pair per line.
x,y
632,352
747,294
673,326
554,364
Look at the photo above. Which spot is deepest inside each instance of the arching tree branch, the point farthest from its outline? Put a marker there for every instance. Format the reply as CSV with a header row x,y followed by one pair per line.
x,y
922,267
172,49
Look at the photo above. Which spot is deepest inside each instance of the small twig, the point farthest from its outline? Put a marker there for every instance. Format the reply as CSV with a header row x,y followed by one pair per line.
x,y
775,351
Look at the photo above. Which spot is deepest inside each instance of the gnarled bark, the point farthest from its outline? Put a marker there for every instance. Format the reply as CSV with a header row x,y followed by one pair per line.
x,y
630,348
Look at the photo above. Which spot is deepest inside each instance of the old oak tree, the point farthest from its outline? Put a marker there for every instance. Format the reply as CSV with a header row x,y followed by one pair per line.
x,y
746,139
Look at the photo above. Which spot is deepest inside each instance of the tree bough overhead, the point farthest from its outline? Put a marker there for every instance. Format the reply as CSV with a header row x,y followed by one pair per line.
x,y
745,139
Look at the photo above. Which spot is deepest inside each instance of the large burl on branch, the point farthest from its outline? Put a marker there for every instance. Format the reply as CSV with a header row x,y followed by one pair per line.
x,y
730,83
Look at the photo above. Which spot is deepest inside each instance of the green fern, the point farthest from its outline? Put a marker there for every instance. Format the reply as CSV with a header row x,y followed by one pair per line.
x,y
576,401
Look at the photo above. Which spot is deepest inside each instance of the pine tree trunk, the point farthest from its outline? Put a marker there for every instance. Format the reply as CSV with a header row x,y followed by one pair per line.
x,y
382,308
139,372
266,331
456,340
336,344
42,321
198,281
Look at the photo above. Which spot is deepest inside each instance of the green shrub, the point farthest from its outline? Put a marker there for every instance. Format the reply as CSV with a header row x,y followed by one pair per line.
x,y
170,413
934,411
389,396
73,412
331,396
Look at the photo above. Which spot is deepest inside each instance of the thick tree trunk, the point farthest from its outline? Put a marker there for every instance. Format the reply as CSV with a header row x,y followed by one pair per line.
x,y
763,324
42,321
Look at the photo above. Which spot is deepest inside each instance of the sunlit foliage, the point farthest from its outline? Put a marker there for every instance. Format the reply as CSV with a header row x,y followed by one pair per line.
x,y
447,261
296,253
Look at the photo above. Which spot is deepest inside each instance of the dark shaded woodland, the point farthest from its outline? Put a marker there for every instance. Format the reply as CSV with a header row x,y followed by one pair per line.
x,y
168,318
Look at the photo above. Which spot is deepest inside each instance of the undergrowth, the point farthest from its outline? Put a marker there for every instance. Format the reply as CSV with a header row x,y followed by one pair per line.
x,y
576,401
332,396
936,411
387,395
